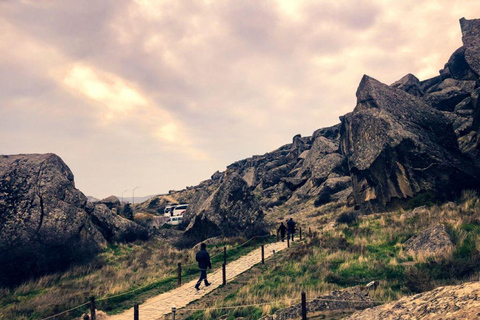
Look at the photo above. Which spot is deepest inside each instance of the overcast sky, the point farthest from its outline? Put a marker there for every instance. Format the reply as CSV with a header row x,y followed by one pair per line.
x,y
162,93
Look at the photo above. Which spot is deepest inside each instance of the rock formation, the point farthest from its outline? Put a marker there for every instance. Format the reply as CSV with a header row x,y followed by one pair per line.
x,y
447,303
231,209
45,222
432,241
398,146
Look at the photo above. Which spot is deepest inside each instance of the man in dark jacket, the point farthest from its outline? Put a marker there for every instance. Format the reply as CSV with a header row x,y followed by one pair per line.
x,y
203,259
282,229
291,228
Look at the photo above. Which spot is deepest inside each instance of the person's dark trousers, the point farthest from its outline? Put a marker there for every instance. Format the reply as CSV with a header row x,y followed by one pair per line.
x,y
203,276
283,237
290,235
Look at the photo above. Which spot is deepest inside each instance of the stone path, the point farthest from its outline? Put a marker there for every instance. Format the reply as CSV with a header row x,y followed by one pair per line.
x,y
158,306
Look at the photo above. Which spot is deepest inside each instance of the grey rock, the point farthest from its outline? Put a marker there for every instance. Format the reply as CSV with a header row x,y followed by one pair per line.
x,y
231,210
398,147
457,67
446,99
45,222
471,42
432,241
410,84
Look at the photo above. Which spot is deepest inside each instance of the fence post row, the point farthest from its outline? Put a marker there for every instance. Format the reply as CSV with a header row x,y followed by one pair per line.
x,y
179,274
304,306
136,314
92,308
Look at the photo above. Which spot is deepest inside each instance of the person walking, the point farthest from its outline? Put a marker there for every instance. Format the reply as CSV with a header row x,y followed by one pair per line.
x,y
203,259
282,229
291,228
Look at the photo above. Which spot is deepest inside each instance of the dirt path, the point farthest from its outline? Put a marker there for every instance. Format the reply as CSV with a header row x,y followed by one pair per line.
x,y
157,307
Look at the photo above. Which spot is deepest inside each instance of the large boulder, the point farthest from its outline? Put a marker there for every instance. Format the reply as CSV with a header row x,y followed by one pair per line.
x,y
471,42
231,210
430,242
45,223
399,147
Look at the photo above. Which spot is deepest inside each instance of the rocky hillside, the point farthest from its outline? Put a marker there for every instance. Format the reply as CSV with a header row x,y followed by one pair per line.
x,y
45,222
412,139
452,302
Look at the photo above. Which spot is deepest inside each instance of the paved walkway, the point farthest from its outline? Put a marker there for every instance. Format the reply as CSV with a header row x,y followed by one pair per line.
x,y
158,306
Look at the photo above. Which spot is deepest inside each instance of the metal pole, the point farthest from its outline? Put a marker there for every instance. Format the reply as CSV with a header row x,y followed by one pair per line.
x,y
224,272
92,308
133,194
224,255
179,274
263,254
173,312
136,315
304,306
123,193
288,241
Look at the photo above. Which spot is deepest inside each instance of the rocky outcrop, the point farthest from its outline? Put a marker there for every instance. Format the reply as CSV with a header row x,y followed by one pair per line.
x,y
398,147
231,209
447,303
45,222
432,241
348,299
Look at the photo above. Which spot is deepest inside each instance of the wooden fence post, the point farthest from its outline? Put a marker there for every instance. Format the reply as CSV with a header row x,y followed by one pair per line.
x,y
179,274
310,232
224,272
263,254
225,255
288,241
304,306
92,308
300,233
136,315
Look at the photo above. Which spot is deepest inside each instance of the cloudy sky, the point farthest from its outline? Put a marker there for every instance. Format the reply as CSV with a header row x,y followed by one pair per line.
x,y
162,93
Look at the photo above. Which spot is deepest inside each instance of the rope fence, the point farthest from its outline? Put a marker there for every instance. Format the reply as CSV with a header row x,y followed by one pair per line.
x,y
151,306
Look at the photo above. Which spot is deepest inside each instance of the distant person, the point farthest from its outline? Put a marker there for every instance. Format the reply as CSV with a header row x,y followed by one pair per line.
x,y
282,229
291,228
203,259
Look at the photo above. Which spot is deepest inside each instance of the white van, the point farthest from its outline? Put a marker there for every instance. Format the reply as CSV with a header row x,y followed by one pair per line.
x,y
175,220
180,209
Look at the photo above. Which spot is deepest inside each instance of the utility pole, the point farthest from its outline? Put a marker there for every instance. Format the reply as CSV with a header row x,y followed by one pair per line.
x,y
133,195
123,193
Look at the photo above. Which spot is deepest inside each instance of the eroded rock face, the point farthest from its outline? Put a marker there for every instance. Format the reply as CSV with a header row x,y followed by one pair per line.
x,y
449,303
45,222
397,147
432,241
471,42
231,210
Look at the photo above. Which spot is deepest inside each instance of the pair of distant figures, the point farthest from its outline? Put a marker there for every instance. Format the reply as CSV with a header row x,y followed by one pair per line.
x,y
290,228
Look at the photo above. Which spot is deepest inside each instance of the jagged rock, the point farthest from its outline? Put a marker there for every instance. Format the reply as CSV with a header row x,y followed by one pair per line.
x,y
410,84
231,210
457,67
114,227
471,42
44,223
111,202
398,147
446,303
446,99
432,241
